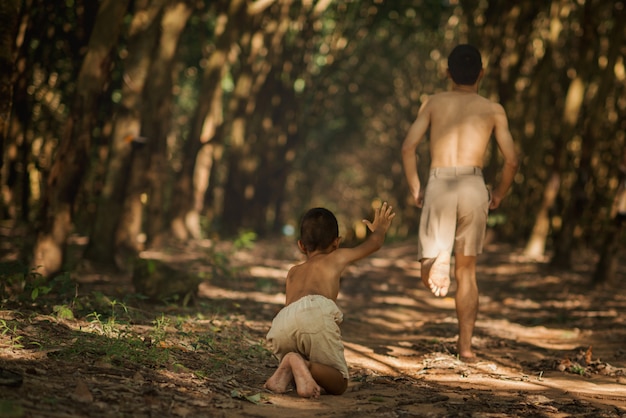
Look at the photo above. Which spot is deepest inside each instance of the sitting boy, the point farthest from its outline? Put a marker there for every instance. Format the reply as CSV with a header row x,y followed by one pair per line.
x,y
305,334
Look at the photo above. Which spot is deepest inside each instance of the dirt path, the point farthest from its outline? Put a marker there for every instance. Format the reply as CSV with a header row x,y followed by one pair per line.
x,y
534,331
548,347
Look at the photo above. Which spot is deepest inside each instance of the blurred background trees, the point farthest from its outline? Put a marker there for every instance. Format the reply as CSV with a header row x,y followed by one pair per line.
x,y
136,123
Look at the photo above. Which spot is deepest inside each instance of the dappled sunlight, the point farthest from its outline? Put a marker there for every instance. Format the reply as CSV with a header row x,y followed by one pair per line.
x,y
263,271
509,269
539,336
400,344
365,357
209,291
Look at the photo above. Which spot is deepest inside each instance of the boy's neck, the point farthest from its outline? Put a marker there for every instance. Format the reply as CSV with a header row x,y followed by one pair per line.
x,y
460,88
318,252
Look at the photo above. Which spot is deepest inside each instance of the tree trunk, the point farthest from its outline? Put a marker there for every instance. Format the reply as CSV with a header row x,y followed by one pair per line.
x,y
157,116
9,16
193,180
143,35
606,268
72,156
536,244
593,114
542,102
243,160
260,135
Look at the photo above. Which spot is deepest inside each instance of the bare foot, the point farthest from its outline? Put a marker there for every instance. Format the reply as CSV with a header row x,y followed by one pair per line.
x,y
467,356
469,359
282,377
439,276
293,367
306,386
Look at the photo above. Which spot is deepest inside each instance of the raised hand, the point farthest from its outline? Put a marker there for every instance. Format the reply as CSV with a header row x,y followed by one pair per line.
x,y
382,218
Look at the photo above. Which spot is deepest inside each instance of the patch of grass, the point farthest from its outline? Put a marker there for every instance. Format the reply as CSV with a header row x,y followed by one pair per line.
x,y
97,329
9,329
9,409
121,351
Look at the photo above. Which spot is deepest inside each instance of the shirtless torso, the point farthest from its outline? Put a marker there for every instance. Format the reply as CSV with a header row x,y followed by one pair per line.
x,y
461,123
321,272
317,276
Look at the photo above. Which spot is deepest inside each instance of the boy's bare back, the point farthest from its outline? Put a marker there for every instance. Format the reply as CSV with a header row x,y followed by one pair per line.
x,y
320,273
461,124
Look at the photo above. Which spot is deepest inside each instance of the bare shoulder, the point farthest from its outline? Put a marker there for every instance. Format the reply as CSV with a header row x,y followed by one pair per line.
x,y
434,99
497,107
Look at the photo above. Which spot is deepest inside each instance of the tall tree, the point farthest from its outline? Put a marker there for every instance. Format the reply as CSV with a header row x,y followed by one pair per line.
x,y
151,167
608,263
193,179
108,240
72,157
9,17
595,84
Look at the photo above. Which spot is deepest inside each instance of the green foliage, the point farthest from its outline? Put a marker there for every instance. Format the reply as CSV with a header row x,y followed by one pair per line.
x,y
114,339
111,336
9,409
245,240
10,330
12,279
63,312
577,369
344,86
19,282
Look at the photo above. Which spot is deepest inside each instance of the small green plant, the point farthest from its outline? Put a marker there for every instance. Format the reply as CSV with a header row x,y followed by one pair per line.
x,y
160,328
37,285
16,280
19,282
63,312
9,409
577,369
9,330
117,342
245,240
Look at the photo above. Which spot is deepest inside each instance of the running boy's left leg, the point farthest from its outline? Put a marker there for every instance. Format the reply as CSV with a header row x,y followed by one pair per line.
x,y
466,300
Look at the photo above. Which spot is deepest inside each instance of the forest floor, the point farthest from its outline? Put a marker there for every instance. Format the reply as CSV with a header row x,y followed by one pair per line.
x,y
548,345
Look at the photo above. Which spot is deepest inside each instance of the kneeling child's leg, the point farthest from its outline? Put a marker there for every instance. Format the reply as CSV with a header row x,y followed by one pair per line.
x,y
329,378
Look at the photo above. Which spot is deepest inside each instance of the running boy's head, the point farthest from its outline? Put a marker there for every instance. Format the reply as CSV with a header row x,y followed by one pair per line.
x,y
465,65
318,230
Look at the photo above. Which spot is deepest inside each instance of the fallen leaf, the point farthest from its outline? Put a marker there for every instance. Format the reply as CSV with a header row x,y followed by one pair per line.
x,y
255,399
588,357
82,393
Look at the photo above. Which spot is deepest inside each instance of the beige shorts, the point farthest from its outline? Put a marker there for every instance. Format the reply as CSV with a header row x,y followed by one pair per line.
x,y
310,327
454,215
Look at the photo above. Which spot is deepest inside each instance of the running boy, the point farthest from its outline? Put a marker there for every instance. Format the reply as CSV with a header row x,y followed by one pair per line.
x,y
305,334
456,201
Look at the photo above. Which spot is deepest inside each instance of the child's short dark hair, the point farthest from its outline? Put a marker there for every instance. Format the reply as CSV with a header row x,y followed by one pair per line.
x,y
464,64
318,229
